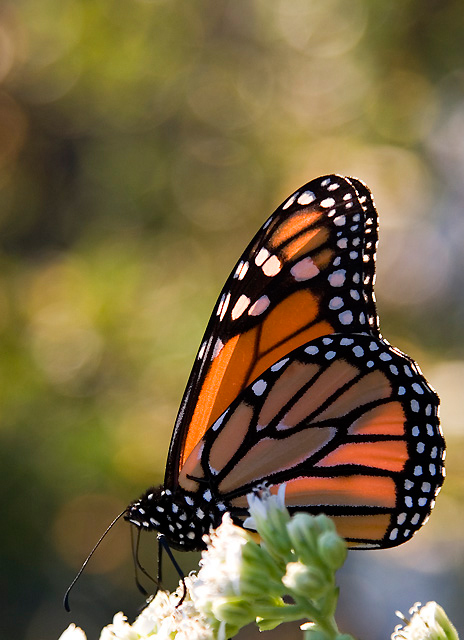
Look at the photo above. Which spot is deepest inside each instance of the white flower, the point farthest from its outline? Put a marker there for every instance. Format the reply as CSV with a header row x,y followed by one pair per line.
x,y
163,619
73,633
262,505
429,622
119,629
220,564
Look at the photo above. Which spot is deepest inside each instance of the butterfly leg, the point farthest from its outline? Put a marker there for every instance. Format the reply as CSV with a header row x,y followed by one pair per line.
x,y
135,544
164,544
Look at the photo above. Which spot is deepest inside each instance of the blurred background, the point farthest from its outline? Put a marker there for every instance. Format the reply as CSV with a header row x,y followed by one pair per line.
x,y
142,143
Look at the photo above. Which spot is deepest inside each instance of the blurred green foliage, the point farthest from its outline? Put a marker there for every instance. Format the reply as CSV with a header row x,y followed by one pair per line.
x,y
142,142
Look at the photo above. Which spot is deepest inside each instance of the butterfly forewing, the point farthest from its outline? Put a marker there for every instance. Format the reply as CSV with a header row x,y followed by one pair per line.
x,y
307,273
348,424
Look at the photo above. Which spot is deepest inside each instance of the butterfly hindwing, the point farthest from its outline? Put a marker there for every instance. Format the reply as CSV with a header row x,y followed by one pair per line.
x,y
348,423
308,272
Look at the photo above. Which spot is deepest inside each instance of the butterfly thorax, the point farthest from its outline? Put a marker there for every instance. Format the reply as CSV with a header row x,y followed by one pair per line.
x,y
184,519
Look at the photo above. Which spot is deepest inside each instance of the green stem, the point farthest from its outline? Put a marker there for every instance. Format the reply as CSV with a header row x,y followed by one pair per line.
x,y
330,626
322,614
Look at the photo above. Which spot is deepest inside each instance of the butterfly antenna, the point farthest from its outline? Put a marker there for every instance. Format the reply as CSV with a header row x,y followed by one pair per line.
x,y
79,573
165,545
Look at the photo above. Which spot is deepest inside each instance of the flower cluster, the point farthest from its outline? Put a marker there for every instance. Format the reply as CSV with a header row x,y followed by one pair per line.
x,y
242,580
162,619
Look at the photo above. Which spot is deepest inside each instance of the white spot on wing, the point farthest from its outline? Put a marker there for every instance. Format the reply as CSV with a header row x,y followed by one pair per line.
x,y
278,365
241,270
219,421
290,201
259,387
272,266
201,352
346,317
306,198
240,306
327,203
304,270
336,303
223,306
259,307
262,255
337,278
218,347
238,269
312,350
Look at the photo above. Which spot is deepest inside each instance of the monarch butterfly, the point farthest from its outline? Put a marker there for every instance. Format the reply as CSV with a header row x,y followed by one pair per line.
x,y
293,383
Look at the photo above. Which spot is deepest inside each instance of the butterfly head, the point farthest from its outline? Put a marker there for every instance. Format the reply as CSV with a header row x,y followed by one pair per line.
x,y
183,519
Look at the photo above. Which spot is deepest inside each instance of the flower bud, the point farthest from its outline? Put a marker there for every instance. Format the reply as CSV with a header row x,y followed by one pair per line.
x,y
305,581
332,549
324,523
259,574
234,611
303,537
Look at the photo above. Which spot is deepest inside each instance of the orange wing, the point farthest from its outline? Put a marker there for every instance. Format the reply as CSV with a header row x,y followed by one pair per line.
x,y
307,273
348,423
